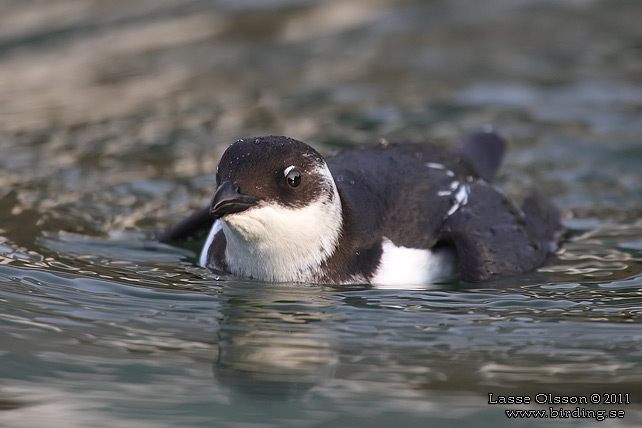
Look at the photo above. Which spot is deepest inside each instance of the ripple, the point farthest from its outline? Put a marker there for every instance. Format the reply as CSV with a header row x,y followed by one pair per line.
x,y
101,327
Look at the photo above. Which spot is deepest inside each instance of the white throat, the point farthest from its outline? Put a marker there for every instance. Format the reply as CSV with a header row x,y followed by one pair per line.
x,y
271,242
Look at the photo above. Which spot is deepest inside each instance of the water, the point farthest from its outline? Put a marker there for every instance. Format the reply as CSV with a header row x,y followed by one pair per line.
x,y
112,120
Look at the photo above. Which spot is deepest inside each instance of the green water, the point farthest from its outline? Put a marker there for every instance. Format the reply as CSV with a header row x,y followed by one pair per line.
x,y
113,116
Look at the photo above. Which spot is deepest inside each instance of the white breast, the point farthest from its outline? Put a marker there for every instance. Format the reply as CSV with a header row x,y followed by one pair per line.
x,y
279,244
271,242
401,267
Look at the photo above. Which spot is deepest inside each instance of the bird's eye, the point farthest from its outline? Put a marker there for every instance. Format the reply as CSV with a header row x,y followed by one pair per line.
x,y
293,177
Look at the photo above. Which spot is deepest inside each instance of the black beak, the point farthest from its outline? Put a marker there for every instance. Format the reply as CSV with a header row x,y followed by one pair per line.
x,y
228,200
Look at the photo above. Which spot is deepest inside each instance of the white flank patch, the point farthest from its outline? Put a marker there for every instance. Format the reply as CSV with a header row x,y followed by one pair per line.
x,y
401,267
216,227
461,199
271,242
434,165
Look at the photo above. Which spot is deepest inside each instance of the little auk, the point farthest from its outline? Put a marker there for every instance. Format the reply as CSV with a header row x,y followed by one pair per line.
x,y
387,215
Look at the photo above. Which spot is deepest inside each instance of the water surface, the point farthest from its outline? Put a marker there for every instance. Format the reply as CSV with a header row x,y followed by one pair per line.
x,y
112,120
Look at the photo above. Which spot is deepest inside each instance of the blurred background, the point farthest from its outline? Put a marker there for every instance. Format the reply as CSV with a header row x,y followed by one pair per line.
x,y
157,89
113,116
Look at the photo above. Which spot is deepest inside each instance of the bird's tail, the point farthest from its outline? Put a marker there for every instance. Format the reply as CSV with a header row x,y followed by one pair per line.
x,y
543,219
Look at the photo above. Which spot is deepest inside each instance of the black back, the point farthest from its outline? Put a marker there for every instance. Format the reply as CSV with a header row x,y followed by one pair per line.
x,y
394,193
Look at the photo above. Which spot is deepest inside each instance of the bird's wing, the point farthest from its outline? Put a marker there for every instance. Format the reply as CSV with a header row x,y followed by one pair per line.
x,y
199,222
492,237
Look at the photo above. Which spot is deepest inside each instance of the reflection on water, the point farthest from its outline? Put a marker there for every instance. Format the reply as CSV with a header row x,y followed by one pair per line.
x,y
276,355
113,116
272,341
